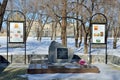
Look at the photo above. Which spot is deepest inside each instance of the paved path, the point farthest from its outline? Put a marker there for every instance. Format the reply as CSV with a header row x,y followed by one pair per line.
x,y
108,72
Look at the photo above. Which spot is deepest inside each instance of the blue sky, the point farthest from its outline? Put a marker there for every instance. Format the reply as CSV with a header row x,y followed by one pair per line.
x,y
1,0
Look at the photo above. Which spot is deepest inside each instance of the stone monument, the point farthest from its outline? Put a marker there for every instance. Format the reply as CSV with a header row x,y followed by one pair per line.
x,y
52,56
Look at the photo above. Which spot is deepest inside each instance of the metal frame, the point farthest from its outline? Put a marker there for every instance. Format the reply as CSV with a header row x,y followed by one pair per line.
x,y
90,57
8,32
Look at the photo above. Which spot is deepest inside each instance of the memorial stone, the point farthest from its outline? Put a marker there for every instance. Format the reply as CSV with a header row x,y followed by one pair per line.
x,y
52,56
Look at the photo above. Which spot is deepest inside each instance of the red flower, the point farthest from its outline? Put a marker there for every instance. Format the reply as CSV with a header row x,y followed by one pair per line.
x,y
82,62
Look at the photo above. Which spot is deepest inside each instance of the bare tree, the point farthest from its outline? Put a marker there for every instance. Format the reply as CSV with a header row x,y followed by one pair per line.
x,y
42,22
116,33
29,8
61,11
2,11
54,26
112,12
116,27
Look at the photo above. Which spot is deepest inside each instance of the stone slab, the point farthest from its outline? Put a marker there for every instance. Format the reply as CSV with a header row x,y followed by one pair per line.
x,y
53,69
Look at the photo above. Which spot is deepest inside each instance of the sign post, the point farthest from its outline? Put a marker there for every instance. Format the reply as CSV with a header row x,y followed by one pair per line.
x,y
98,34
16,31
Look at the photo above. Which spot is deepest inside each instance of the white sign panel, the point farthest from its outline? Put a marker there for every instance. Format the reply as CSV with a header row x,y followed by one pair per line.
x,y
98,33
16,32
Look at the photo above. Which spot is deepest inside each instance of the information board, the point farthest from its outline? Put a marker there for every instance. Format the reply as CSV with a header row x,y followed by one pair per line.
x,y
16,32
98,33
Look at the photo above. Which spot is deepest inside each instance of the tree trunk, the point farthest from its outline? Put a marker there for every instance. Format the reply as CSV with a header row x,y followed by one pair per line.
x,y
55,31
85,44
80,36
64,23
2,11
115,43
77,34
38,34
76,42
77,26
52,33
53,36
41,34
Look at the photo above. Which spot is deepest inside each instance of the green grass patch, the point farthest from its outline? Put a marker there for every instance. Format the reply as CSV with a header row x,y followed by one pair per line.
x,y
13,74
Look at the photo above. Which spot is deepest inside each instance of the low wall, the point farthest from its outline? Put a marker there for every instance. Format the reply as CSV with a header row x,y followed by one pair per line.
x,y
114,59
101,59
16,58
95,58
21,58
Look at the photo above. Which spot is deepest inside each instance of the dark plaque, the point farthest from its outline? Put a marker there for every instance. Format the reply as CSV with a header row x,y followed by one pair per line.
x,y
62,53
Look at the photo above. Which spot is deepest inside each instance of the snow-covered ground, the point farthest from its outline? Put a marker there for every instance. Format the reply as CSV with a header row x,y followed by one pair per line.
x,y
37,47
32,46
